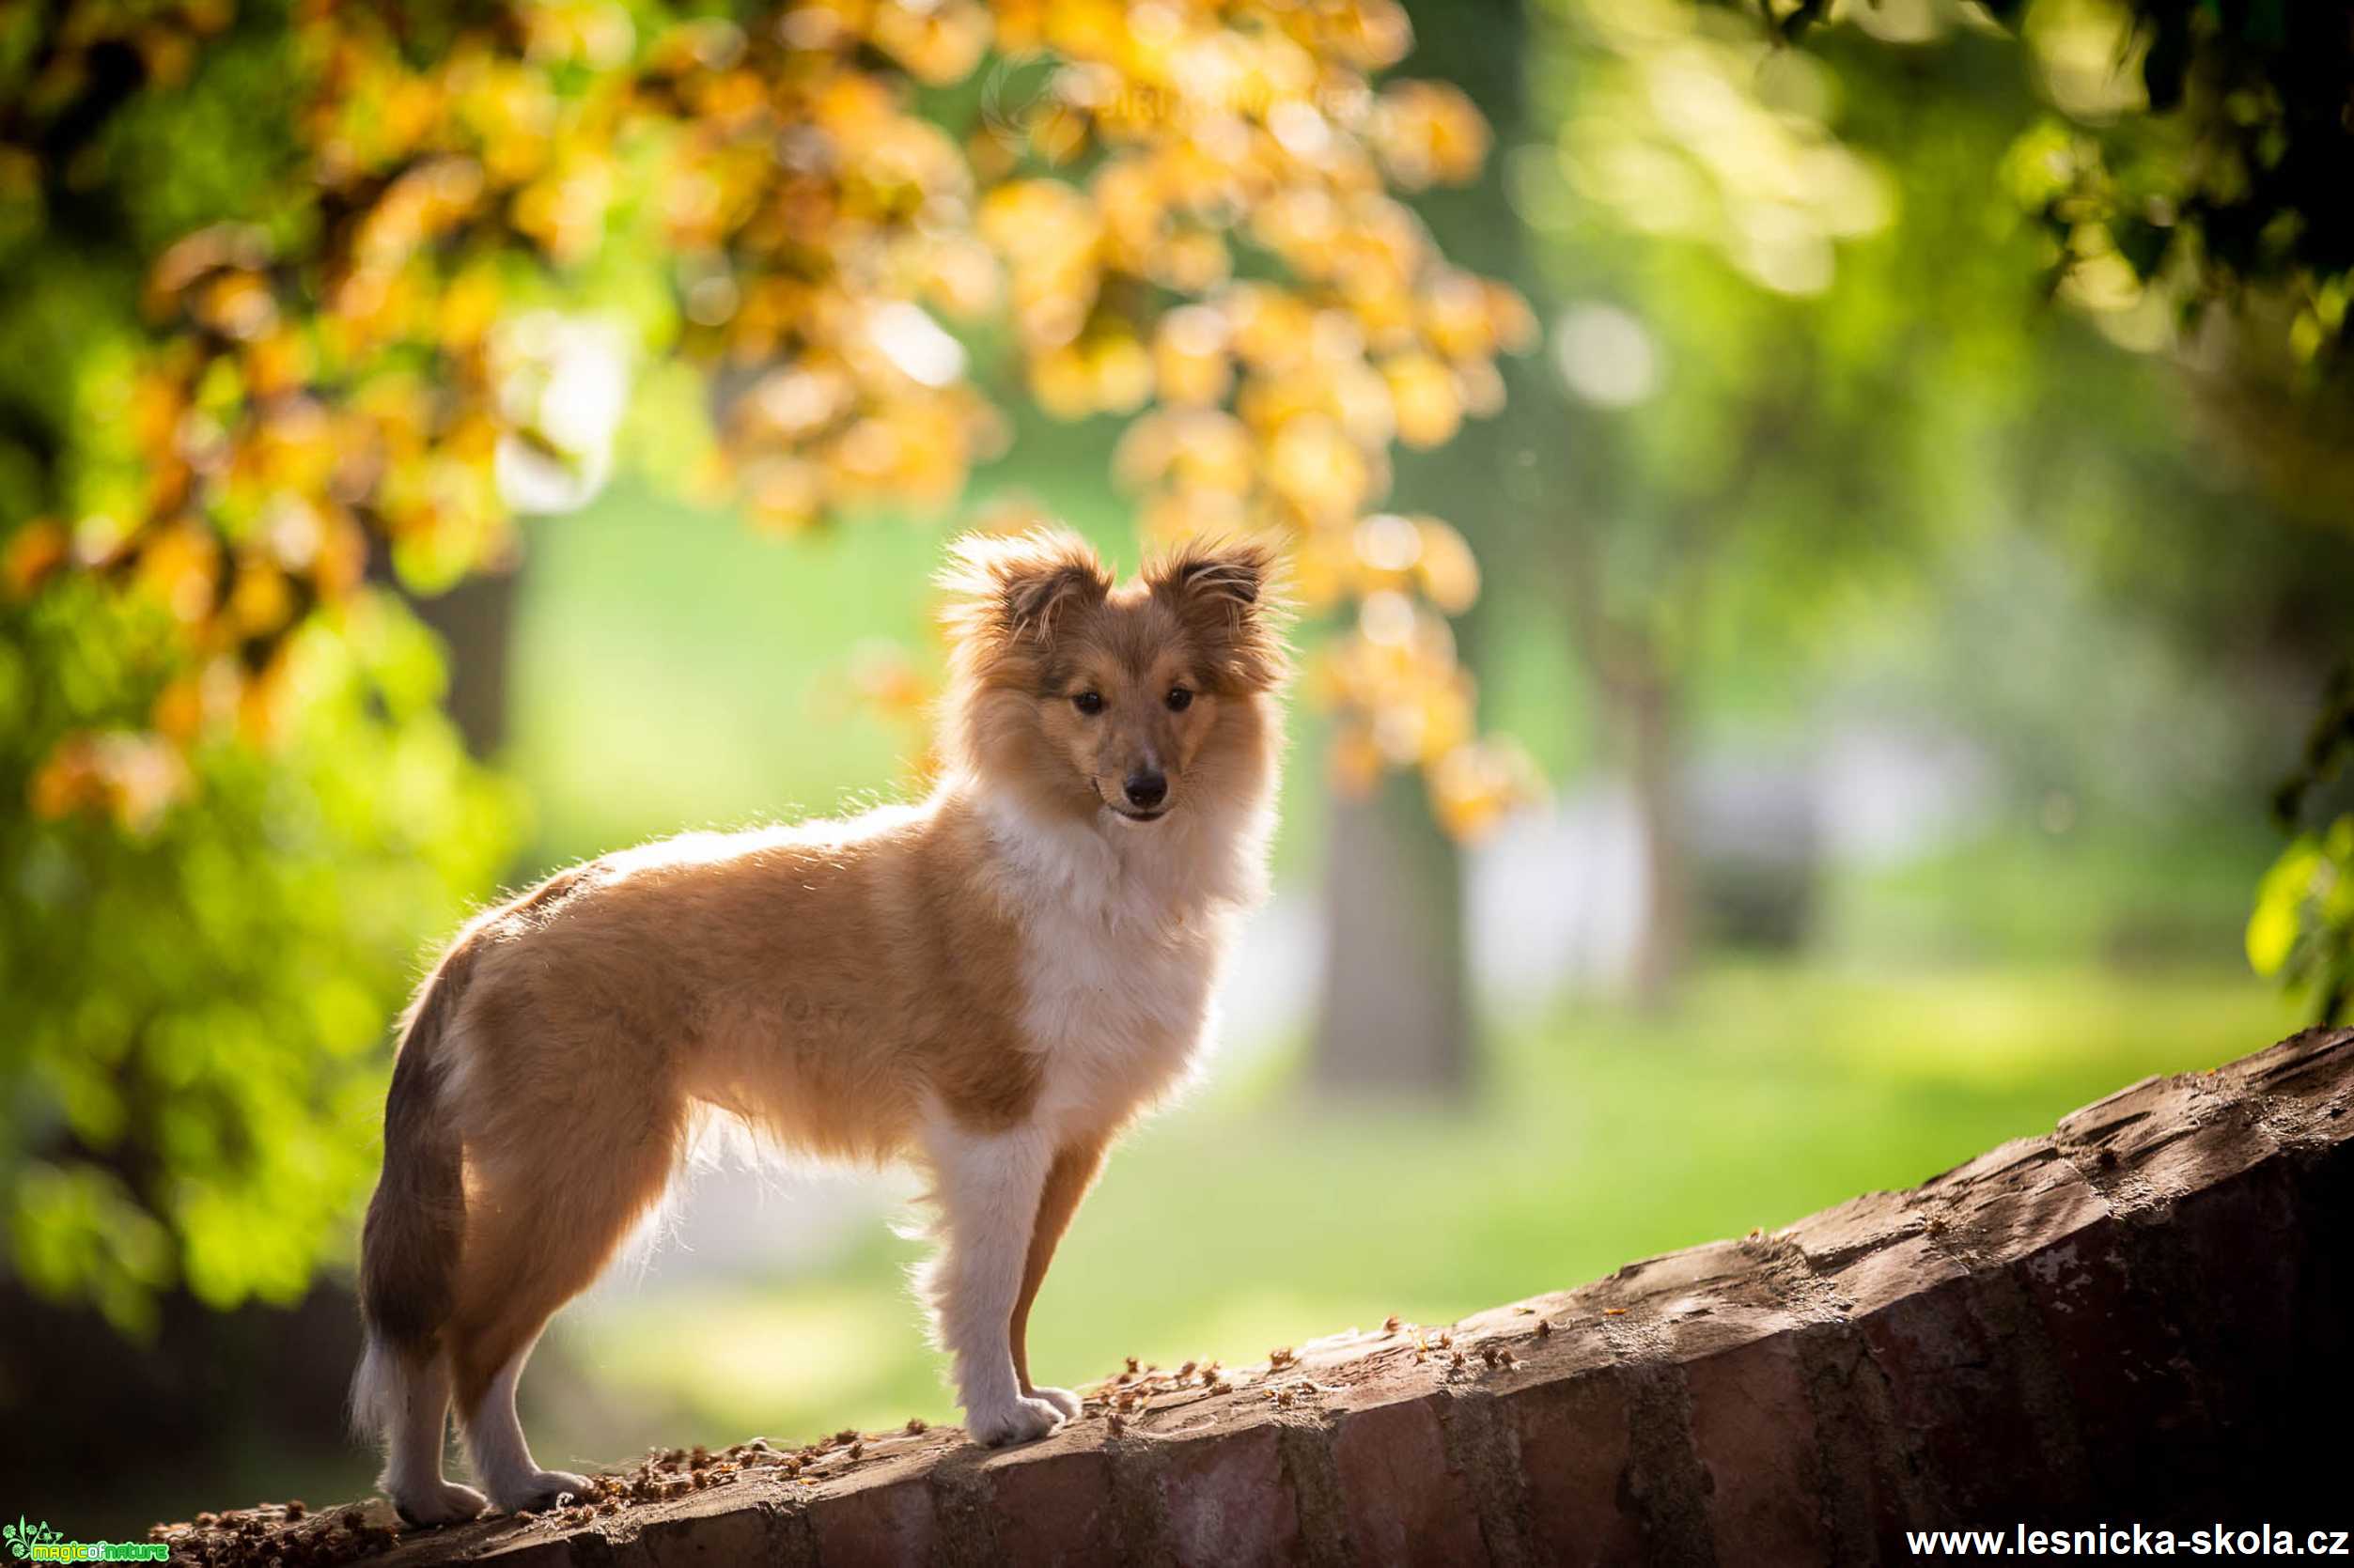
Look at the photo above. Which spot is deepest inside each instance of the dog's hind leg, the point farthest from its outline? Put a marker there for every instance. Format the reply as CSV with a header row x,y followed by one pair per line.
x,y
405,1394
541,1234
501,1459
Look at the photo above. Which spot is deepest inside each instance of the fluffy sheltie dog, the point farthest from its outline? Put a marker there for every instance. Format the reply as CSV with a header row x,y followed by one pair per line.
x,y
990,985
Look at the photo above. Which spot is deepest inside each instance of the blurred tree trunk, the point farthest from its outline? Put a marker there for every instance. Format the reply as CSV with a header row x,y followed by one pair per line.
x,y
1651,720
1396,1008
475,620
1641,691
1629,645
1396,1013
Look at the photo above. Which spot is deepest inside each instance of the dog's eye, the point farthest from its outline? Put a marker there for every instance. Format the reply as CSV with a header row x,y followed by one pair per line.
x,y
1089,702
1179,699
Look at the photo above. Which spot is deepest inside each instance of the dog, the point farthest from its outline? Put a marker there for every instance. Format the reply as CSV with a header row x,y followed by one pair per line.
x,y
990,985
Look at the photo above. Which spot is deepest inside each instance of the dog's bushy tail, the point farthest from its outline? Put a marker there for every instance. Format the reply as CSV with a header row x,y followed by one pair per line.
x,y
417,1221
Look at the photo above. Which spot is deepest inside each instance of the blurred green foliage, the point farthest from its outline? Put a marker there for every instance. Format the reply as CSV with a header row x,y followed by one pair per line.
x,y
1817,411
2189,186
1808,357
2194,149
2302,928
2225,173
195,997
199,943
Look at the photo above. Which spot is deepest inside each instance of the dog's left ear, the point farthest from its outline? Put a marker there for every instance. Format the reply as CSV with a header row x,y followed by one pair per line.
x,y
1228,593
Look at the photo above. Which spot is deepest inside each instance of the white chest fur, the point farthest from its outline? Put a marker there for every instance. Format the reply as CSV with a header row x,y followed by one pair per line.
x,y
1124,931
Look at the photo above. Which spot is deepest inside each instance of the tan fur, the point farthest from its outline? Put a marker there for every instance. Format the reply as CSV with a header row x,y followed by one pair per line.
x,y
842,986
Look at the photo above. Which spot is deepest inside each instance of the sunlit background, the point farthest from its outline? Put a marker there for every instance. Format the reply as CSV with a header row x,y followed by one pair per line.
x,y
1890,614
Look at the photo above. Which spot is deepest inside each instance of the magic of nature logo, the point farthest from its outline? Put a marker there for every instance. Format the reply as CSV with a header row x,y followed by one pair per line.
x,y
31,1542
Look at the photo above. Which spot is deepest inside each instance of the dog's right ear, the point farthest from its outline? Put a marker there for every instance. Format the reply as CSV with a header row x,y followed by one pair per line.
x,y
1008,590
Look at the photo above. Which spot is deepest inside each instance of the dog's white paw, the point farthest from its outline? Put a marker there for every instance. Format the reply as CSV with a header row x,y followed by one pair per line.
x,y
1018,1421
1062,1399
539,1491
442,1502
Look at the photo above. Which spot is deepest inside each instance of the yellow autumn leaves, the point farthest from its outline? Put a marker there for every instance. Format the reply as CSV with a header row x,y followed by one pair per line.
x,y
1181,213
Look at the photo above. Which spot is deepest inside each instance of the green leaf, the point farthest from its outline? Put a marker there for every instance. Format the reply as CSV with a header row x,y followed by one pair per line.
x,y
2273,924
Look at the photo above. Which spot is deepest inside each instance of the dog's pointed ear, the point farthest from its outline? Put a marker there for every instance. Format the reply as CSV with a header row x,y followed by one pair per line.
x,y
1229,595
1009,590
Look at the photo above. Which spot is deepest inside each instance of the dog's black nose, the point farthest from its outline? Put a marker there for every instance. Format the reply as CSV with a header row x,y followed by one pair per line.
x,y
1146,790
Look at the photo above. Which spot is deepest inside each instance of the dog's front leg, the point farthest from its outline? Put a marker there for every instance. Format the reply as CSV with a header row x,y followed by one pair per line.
x,y
987,1186
1068,1179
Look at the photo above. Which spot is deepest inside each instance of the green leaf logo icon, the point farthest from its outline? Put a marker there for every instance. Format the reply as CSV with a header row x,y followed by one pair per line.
x,y
22,1537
